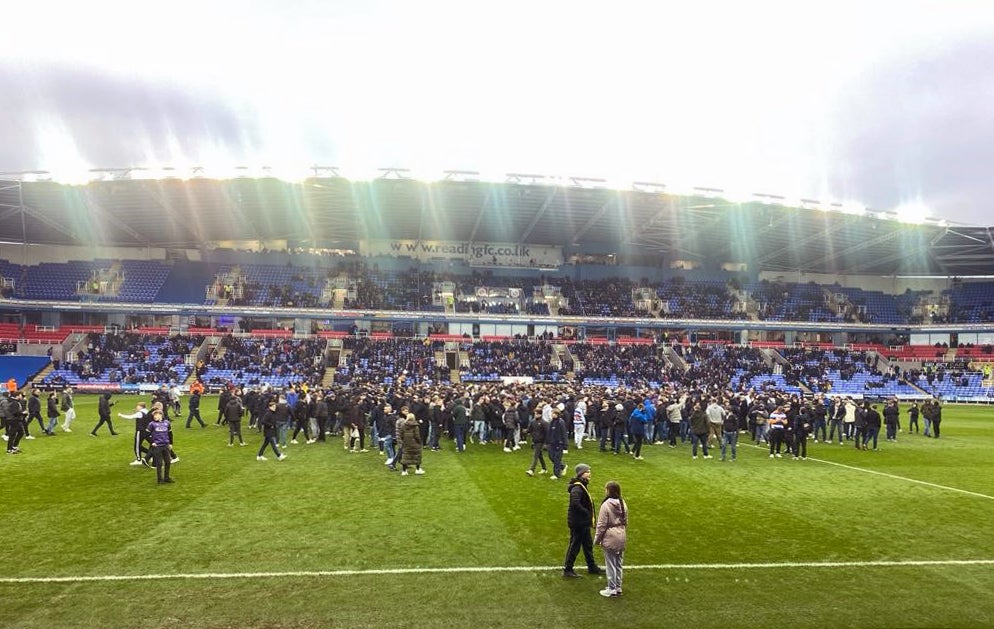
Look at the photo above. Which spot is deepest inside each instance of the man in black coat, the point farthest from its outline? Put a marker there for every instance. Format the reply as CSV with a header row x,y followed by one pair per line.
x,y
14,417
194,406
580,519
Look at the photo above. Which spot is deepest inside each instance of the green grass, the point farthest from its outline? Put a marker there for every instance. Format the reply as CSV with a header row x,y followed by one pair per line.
x,y
72,506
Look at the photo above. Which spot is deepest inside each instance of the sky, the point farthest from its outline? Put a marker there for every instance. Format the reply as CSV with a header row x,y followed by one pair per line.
x,y
885,104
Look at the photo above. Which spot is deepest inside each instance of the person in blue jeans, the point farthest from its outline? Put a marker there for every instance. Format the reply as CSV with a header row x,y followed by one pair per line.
x,y
729,434
386,428
459,421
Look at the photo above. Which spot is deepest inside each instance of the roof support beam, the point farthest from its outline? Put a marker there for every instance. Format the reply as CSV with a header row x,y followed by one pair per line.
x,y
800,244
598,215
479,217
94,207
538,215
40,216
154,188
853,249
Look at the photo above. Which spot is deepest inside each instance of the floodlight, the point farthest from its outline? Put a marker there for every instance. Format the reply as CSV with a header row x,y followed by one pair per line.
x,y
914,212
71,177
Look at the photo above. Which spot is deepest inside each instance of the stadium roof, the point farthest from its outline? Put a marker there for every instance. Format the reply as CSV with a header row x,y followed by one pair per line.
x,y
765,231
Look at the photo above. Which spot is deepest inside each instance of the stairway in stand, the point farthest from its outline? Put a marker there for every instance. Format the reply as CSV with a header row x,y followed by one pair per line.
x,y
329,377
38,377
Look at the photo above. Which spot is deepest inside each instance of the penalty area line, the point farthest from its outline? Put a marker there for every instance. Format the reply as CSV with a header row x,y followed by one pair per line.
x,y
855,468
491,569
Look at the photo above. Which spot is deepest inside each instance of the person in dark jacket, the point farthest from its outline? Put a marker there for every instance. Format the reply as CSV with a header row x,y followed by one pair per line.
x,y
233,412
913,412
194,407
537,433
321,414
34,412
142,419
892,418
268,421
580,520
103,411
557,437
53,413
871,426
161,438
14,417
459,423
936,417
410,440
699,428
636,428
222,401
800,426
301,419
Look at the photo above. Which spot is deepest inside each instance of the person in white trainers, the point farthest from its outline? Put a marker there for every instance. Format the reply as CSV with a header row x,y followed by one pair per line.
x,y
268,421
611,535
68,409
142,420
579,423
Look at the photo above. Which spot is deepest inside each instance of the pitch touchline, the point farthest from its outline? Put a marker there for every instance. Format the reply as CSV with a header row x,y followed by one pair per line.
x,y
895,476
490,569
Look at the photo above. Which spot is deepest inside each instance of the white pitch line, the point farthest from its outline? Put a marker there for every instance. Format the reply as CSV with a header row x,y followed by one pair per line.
x,y
905,478
895,476
491,569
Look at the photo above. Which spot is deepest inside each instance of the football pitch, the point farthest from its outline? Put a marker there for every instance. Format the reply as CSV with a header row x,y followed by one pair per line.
x,y
903,537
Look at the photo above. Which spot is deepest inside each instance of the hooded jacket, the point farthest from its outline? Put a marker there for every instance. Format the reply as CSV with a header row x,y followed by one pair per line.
x,y
580,513
612,524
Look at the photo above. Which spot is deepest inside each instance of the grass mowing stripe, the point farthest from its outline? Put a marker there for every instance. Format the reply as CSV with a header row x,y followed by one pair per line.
x,y
895,476
488,569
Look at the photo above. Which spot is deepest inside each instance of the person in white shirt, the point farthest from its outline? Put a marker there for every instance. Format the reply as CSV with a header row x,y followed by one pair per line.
x,y
579,423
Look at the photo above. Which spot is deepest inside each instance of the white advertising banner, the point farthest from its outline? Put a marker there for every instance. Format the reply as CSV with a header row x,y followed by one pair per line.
x,y
476,253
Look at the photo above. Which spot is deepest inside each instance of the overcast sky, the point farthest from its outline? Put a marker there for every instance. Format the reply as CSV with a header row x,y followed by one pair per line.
x,y
887,104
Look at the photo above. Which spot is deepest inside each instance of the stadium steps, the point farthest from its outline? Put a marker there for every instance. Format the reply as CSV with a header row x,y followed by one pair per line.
x,y
329,377
38,377
675,359
917,388
775,357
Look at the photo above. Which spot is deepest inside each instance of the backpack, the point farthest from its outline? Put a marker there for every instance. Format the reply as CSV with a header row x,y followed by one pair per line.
x,y
5,408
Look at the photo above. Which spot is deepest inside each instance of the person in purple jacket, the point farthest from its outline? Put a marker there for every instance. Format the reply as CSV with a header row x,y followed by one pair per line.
x,y
161,438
